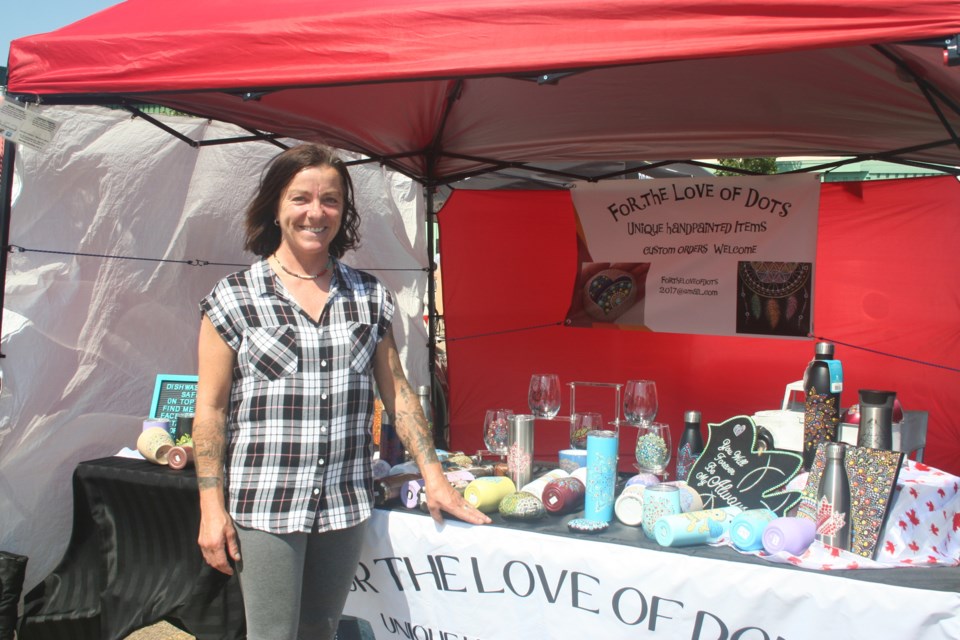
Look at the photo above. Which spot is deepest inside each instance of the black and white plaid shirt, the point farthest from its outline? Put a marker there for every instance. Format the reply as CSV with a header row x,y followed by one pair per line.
x,y
301,405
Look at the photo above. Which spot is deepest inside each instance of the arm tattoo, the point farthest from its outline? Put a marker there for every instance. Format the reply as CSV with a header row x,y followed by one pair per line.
x,y
411,424
209,448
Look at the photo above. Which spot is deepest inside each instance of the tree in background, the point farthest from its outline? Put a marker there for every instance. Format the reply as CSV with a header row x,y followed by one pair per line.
x,y
752,166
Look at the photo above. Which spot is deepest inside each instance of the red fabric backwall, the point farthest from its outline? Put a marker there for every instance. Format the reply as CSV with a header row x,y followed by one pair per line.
x,y
886,294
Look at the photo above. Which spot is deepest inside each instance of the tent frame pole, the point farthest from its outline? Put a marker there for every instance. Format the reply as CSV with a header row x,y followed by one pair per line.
x,y
6,209
439,431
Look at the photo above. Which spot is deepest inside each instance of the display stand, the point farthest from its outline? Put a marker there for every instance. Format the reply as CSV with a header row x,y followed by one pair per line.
x,y
602,385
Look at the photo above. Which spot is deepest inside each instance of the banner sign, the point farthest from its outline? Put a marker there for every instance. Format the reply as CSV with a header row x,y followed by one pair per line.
x,y
418,580
718,256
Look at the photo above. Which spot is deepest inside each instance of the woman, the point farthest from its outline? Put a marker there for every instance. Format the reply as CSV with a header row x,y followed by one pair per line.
x,y
285,404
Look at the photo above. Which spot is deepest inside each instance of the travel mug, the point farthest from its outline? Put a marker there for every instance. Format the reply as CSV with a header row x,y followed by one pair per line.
x,y
520,449
563,495
746,530
876,419
601,475
793,535
659,501
486,493
685,529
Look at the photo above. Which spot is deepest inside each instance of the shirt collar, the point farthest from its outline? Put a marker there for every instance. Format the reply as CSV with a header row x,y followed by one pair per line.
x,y
263,284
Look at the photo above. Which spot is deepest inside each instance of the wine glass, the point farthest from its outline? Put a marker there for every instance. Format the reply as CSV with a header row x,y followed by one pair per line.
x,y
640,401
496,428
653,448
544,395
580,425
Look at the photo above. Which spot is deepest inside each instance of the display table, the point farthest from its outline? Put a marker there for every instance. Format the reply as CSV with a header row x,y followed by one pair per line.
x,y
133,560
508,581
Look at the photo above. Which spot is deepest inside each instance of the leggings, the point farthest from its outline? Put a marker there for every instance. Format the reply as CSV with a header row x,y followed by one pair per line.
x,y
295,585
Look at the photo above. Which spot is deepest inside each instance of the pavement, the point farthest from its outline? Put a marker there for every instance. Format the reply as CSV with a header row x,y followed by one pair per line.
x,y
160,631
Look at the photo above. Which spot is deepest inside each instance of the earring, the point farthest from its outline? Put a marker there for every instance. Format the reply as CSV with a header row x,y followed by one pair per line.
x,y
276,222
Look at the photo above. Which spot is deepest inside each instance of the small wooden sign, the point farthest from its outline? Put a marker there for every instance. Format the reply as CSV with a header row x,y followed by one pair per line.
x,y
731,472
173,396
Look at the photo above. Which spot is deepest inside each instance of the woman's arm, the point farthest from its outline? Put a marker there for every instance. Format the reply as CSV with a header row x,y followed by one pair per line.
x,y
217,536
401,402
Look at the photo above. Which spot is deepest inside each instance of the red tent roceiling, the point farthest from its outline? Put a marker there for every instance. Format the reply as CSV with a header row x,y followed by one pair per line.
x,y
441,90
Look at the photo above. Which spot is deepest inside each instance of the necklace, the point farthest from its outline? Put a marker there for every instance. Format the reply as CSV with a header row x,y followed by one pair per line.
x,y
305,276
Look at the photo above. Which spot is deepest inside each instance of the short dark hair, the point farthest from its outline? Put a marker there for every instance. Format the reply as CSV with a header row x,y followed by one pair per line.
x,y
263,235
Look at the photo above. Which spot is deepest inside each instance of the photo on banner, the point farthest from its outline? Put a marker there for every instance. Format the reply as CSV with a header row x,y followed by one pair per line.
x,y
717,256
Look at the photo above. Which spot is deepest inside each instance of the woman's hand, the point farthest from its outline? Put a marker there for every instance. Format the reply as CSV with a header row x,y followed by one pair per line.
x,y
442,497
218,540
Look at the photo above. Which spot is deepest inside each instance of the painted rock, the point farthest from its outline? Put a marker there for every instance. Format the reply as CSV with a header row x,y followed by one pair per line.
x,y
522,505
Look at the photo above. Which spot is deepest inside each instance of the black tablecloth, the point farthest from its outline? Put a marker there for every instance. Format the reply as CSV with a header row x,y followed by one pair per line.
x,y
133,560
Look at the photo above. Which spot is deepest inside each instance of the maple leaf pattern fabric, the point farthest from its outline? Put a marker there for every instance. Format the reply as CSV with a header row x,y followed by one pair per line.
x,y
922,527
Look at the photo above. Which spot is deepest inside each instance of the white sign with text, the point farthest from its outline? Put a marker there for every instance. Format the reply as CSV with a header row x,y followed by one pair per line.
x,y
720,256
420,581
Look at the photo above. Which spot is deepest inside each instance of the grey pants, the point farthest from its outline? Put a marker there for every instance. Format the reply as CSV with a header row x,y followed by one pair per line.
x,y
295,585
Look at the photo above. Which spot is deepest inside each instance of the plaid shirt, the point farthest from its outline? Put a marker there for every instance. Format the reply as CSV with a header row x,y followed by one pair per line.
x,y
301,404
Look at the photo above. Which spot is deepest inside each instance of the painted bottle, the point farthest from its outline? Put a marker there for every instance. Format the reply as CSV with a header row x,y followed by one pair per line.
x,y
691,444
833,500
822,384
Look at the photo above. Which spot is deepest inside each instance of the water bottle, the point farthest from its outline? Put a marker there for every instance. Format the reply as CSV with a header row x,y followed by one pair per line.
x,y
833,500
691,444
822,384
423,394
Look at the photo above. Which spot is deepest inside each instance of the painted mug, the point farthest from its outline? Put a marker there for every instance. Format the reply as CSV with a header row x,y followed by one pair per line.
x,y
154,444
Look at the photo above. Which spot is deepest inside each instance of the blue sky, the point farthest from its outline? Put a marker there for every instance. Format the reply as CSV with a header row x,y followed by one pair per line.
x,y
20,18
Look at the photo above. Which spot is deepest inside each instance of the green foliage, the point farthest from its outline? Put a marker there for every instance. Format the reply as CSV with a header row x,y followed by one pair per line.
x,y
764,166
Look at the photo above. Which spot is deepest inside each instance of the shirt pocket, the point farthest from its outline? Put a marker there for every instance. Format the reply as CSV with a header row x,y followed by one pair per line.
x,y
363,345
273,351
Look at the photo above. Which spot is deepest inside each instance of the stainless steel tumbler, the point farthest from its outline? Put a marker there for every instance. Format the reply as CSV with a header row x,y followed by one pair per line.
x,y
520,449
876,419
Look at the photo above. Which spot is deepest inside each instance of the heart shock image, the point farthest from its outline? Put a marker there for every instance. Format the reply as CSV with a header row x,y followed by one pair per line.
x,y
609,293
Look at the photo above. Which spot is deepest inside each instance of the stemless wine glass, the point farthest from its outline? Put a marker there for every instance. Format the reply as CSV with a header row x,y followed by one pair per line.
x,y
640,401
653,448
496,427
544,395
580,425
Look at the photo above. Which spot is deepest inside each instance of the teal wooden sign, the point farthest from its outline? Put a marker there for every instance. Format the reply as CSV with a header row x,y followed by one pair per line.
x,y
174,396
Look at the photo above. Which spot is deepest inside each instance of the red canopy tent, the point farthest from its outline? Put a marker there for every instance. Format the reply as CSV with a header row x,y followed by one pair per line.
x,y
444,90
441,89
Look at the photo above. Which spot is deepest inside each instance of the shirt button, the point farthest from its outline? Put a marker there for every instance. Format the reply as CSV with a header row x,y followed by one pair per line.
x,y
323,396
323,429
316,491
320,462
323,363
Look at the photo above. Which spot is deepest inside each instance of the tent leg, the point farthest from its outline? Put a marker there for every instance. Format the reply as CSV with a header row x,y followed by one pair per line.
x,y
6,209
439,430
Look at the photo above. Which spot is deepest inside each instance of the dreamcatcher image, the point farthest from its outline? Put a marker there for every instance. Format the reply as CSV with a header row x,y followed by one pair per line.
x,y
774,298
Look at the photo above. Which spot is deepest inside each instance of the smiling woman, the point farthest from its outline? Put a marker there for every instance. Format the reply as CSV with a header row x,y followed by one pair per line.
x,y
290,352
